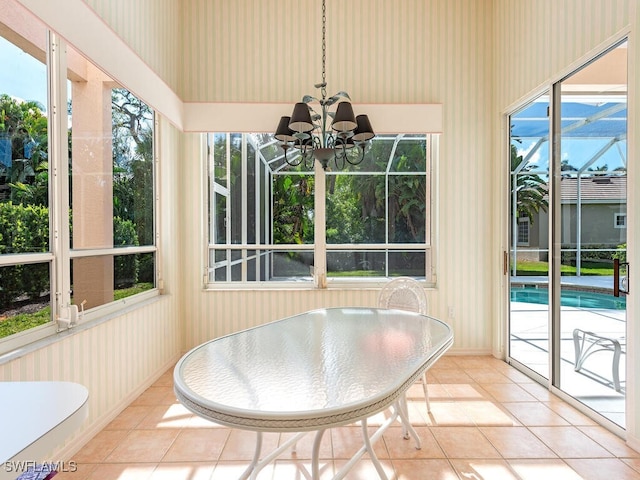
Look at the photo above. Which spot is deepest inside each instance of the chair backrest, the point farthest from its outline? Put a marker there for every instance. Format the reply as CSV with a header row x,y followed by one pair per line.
x,y
403,293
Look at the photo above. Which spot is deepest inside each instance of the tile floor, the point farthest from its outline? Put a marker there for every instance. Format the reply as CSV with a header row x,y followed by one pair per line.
x,y
488,421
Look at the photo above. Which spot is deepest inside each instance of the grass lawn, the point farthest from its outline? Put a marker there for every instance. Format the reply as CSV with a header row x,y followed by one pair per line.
x,y
25,321
542,268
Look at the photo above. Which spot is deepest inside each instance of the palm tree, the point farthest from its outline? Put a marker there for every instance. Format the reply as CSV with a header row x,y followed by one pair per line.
x,y
530,189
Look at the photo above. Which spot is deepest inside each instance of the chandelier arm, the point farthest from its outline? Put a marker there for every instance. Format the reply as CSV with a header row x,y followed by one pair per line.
x,y
293,163
360,156
321,143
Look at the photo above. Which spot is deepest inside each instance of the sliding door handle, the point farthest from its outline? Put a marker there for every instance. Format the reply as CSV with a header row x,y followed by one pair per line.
x,y
620,282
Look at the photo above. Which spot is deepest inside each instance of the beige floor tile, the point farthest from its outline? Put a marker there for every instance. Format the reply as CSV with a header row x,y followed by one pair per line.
x,y
122,471
364,469
437,392
347,441
602,469
295,469
165,380
197,445
633,463
228,470
75,471
399,447
534,414
464,442
508,392
143,446
183,471
474,361
432,469
488,422
100,446
538,391
609,440
241,444
485,412
569,442
487,375
449,414
446,362
479,469
569,413
156,396
464,391
516,442
451,375
418,415
130,417
304,447
548,469
166,416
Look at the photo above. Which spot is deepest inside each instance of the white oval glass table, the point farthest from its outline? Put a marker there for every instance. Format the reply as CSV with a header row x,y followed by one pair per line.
x,y
312,371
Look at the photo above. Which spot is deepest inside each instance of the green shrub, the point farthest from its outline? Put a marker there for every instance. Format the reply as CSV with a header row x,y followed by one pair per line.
x,y
621,253
125,266
23,229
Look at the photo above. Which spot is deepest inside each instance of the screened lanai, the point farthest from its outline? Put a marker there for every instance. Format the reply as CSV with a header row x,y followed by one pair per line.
x,y
593,147
269,220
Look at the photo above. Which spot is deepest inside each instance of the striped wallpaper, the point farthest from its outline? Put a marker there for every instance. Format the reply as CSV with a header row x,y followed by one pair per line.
x,y
447,52
539,40
407,51
152,30
115,360
474,57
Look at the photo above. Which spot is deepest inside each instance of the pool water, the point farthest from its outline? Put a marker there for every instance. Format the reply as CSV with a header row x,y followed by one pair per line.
x,y
568,298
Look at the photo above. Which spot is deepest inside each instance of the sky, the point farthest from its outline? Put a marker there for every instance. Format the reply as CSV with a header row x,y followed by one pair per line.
x,y
21,75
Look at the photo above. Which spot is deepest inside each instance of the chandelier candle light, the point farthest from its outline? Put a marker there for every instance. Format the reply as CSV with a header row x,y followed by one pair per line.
x,y
307,131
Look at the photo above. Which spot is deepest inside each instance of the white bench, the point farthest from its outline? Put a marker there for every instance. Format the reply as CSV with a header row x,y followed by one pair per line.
x,y
586,343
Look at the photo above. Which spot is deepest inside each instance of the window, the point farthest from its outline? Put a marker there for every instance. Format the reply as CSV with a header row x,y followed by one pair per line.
x,y
262,212
523,231
620,220
84,172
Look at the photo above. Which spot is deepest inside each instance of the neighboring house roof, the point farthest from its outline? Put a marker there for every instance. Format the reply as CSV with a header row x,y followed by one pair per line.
x,y
600,188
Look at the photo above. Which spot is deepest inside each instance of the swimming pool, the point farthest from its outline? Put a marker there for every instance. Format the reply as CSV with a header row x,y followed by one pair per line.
x,y
568,298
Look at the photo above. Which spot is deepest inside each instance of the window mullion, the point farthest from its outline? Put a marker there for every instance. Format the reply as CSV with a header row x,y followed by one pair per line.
x,y
320,237
59,178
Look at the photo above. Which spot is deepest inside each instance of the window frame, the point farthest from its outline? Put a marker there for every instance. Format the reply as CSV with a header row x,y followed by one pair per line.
x,y
60,254
318,248
616,217
524,223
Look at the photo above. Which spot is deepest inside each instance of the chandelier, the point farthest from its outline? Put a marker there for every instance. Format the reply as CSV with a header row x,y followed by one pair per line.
x,y
328,133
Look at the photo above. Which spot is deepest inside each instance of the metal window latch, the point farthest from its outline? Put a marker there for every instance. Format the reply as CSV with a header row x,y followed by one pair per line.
x,y
69,316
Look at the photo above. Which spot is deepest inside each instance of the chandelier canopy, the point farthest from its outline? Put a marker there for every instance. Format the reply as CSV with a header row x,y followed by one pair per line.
x,y
328,133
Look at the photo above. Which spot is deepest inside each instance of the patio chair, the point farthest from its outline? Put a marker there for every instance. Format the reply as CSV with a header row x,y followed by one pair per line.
x,y
404,293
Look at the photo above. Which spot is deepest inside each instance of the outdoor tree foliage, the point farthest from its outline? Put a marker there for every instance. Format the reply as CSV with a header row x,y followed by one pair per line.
x,y
531,189
24,191
24,173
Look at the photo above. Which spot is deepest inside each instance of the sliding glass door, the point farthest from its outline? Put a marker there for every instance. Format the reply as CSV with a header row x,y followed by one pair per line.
x,y
567,257
529,252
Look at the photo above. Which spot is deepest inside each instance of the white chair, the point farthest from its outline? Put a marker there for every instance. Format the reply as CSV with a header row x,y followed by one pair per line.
x,y
404,293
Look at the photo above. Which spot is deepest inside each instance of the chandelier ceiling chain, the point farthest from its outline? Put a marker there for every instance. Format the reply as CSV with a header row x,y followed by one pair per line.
x,y
308,132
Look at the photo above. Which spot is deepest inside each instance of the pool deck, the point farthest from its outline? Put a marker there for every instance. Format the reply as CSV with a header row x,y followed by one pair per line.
x,y
530,345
